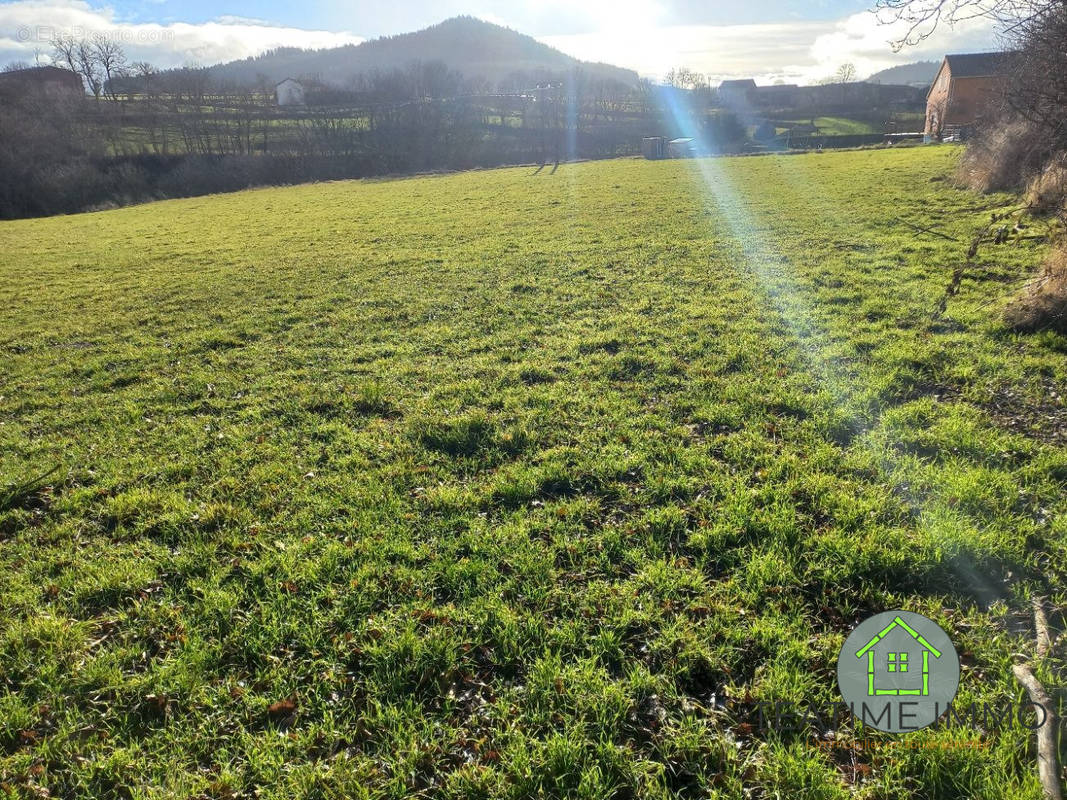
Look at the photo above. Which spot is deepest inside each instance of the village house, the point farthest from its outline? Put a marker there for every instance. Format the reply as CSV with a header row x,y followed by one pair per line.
x,y
966,87
289,92
736,93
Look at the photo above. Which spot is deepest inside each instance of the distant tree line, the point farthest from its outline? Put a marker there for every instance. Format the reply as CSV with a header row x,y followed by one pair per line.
x,y
140,133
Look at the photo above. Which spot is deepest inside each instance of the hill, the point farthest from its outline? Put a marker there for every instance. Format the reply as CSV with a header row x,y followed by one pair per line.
x,y
507,485
472,46
920,73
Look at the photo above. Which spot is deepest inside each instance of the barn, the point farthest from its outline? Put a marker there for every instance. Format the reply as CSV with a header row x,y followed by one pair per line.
x,y
737,93
965,89
289,92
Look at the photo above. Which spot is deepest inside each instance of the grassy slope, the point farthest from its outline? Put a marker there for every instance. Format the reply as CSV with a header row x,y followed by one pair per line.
x,y
506,480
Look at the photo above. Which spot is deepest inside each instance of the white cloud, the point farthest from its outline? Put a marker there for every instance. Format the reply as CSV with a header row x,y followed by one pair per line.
x,y
795,51
26,26
722,51
864,41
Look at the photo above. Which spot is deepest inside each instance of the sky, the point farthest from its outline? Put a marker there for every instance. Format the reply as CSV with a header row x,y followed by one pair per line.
x,y
783,40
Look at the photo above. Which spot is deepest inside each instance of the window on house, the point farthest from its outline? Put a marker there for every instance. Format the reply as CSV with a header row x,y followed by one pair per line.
x,y
898,662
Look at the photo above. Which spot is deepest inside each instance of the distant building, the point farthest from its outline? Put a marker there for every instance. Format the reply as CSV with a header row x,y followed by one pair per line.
x,y
653,147
682,148
289,92
736,93
48,81
964,91
744,97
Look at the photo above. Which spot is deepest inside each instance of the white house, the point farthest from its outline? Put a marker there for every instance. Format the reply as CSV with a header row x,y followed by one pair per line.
x,y
289,93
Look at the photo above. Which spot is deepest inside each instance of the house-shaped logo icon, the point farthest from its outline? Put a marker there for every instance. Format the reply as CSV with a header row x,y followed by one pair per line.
x,y
898,671
898,661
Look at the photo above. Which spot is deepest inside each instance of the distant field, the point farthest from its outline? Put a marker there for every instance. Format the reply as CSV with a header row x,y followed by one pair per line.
x,y
840,126
832,126
843,126
502,484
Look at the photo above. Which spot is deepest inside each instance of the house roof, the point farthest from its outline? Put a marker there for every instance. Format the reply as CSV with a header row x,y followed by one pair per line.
x,y
978,65
286,80
898,623
744,83
683,140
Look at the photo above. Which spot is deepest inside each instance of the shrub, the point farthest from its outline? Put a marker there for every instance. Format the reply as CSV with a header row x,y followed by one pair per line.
x,y
1004,157
1043,306
1047,192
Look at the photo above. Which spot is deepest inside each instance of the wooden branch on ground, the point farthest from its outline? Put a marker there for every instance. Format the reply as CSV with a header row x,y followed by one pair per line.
x,y
1048,763
931,231
1044,640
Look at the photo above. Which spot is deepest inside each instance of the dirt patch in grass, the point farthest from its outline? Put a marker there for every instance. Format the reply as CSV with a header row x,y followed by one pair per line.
x,y
1044,419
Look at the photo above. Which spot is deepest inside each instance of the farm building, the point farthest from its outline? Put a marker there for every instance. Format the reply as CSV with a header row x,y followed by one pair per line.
x,y
289,93
736,93
51,81
656,147
964,90
682,148
653,147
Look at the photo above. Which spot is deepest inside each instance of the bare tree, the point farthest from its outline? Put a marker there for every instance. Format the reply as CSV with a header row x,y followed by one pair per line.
x,y
1037,90
921,18
685,78
65,53
846,73
88,67
111,59
146,76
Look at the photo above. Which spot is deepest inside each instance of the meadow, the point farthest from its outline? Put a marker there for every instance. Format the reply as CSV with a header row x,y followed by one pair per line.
x,y
504,485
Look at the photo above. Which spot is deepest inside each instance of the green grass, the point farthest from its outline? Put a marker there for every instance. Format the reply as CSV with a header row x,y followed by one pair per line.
x,y
835,126
839,126
500,485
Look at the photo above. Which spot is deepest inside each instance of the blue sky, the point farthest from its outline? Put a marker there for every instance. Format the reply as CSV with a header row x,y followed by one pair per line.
x,y
369,19
791,41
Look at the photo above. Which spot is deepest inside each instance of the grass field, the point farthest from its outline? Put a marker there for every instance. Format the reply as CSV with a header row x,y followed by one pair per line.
x,y
510,485
843,126
835,126
839,126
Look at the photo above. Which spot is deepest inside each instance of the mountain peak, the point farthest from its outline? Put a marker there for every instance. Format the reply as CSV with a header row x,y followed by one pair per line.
x,y
472,46
467,21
